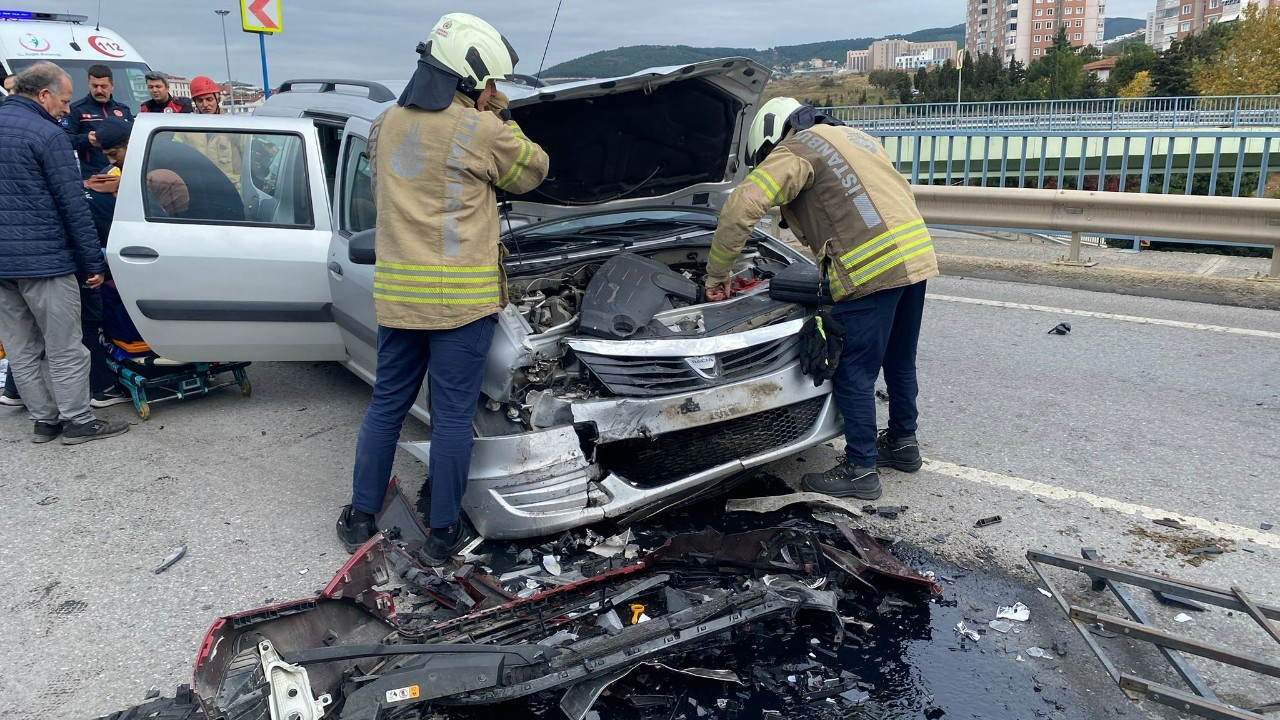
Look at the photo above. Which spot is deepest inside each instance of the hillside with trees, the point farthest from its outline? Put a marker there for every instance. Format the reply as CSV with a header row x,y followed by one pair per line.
x,y
627,60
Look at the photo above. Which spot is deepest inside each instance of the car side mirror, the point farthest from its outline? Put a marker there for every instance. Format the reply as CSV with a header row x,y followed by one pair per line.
x,y
360,249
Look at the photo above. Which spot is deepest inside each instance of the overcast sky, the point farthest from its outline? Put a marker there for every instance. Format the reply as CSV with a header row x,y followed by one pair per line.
x,y
375,39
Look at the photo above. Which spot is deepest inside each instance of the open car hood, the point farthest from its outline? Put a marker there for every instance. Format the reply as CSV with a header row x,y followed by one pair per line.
x,y
657,132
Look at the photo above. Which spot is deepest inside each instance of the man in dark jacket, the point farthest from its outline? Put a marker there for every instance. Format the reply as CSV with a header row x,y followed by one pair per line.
x,y
46,236
85,115
162,101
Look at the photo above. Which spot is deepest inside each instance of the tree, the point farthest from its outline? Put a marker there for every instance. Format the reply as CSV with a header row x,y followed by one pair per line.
x,y
1089,53
1139,86
1060,73
1136,57
1171,72
1249,64
884,80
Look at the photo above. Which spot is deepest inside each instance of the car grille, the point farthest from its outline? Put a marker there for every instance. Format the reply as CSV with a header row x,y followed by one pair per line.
x,y
650,376
678,454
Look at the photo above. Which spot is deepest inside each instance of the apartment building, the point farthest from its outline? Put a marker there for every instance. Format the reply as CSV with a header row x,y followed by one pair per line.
x,y
1176,19
1023,30
898,53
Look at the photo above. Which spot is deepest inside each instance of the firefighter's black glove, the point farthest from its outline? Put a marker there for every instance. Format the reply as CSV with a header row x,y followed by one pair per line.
x,y
821,343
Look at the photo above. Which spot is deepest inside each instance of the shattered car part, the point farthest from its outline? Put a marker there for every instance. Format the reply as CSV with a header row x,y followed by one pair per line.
x,y
1201,699
963,631
376,645
290,689
172,560
778,502
1016,611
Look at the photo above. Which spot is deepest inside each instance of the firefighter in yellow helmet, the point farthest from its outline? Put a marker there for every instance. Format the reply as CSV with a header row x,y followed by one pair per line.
x,y
439,155
841,196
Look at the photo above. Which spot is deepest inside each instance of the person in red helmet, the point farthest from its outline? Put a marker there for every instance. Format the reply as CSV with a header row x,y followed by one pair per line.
x,y
225,150
206,96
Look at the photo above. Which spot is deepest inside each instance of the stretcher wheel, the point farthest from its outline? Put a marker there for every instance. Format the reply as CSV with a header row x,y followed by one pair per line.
x,y
144,410
246,388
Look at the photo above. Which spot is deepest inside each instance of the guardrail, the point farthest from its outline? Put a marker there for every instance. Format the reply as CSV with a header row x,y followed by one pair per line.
x,y
1213,219
1097,114
1184,162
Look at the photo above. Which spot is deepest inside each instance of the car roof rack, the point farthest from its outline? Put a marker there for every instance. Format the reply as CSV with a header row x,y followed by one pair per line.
x,y
377,91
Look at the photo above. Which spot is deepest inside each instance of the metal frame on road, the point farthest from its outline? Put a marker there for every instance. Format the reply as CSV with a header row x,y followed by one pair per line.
x,y
1201,700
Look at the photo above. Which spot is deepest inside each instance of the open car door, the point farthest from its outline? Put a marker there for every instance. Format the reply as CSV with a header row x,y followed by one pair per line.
x,y
220,241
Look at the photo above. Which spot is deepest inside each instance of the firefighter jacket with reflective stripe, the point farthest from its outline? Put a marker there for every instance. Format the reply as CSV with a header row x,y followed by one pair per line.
x,y
840,194
435,177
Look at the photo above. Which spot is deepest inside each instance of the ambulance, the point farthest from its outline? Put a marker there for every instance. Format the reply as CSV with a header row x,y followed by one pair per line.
x,y
72,43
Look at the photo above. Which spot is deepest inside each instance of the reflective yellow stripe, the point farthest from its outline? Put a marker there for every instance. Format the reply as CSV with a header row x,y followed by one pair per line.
x,y
437,301
419,290
517,168
848,258
766,183
833,281
452,269
722,256
487,278
903,254
869,257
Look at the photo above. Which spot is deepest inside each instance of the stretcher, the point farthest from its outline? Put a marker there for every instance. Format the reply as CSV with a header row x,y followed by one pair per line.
x,y
150,378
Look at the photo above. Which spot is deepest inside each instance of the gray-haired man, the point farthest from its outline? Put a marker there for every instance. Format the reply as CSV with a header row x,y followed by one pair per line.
x,y
46,238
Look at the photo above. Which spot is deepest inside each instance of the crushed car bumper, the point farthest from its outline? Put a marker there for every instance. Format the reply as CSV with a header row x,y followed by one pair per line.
x,y
625,454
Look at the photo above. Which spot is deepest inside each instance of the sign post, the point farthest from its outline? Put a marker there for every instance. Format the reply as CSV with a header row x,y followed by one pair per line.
x,y
262,17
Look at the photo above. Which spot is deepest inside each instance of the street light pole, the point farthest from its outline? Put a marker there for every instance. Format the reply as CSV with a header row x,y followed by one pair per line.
x,y
231,88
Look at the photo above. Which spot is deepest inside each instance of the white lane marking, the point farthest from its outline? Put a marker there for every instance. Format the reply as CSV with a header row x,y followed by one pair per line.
x,y
1109,316
1221,529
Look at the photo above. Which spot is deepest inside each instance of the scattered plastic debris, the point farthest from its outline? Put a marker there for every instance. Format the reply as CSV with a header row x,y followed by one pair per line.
x,y
986,521
1037,652
964,631
303,571
1171,523
1181,618
172,560
1101,632
51,499
1062,328
616,545
1206,550
1265,526
1000,626
1044,592
552,564
1017,611
777,502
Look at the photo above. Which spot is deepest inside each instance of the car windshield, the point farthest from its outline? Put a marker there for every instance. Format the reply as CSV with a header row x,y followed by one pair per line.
x,y
130,79
630,224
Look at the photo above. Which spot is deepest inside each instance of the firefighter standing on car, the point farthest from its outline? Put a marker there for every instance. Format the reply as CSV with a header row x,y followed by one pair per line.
x,y
438,157
843,198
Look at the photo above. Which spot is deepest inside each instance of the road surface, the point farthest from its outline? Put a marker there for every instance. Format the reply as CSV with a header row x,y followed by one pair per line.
x,y
1148,409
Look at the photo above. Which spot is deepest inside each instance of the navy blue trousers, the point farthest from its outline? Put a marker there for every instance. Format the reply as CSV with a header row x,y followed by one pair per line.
x,y
454,363
881,331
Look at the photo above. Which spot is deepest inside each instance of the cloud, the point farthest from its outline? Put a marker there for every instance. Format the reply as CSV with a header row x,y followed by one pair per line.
x,y
376,40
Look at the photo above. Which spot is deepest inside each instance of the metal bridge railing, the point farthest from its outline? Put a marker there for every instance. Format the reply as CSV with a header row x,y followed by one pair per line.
x,y
1235,163
1196,219
1244,111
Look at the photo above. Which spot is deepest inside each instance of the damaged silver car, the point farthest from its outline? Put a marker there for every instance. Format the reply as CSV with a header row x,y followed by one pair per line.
x,y
612,391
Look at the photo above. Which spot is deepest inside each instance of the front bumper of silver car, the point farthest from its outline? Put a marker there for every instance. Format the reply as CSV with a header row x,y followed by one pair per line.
x,y
624,454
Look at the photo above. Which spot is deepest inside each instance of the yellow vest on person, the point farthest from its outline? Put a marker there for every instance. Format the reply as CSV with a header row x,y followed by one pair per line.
x,y
840,195
435,177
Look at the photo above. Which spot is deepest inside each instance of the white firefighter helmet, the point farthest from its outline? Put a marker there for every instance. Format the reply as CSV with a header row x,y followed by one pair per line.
x,y
769,124
471,49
